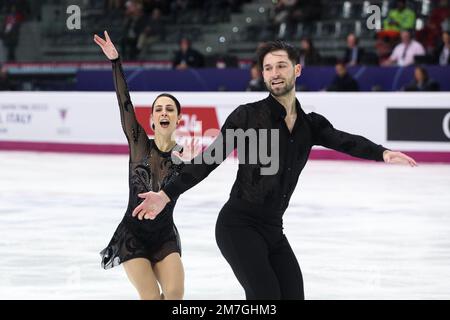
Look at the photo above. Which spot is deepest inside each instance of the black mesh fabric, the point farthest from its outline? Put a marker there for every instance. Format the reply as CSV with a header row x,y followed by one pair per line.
x,y
149,170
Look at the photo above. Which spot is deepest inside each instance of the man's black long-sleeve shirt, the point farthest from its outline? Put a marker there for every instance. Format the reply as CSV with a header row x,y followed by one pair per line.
x,y
272,192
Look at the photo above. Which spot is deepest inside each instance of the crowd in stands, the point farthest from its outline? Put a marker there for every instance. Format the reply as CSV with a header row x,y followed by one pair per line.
x,y
15,12
397,44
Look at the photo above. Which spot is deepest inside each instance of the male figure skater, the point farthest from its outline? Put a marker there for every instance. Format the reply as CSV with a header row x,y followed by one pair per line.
x,y
249,227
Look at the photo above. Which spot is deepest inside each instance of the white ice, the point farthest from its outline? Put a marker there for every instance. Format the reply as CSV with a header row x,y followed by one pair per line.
x,y
360,230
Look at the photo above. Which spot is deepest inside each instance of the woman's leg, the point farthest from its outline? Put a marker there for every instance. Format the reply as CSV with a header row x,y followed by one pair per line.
x,y
140,273
170,274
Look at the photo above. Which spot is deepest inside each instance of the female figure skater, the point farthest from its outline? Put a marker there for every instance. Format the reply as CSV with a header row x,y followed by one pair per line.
x,y
149,250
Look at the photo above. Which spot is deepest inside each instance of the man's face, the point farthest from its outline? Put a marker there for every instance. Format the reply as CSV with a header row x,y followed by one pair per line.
x,y
184,44
351,41
340,70
279,73
405,36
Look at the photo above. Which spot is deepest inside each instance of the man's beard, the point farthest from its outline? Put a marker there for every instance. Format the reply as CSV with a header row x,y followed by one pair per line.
x,y
281,91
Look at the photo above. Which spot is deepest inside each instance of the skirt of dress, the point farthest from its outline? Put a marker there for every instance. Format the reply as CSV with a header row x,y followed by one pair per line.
x,y
132,241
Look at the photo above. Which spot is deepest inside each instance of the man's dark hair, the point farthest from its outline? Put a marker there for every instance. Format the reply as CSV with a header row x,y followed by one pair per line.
x,y
275,46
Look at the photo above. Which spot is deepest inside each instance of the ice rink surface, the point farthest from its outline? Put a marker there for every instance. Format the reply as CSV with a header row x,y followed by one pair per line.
x,y
360,230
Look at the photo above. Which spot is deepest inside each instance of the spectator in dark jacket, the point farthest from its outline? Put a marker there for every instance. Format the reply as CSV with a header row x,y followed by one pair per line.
x,y
422,81
10,31
442,54
135,24
187,57
153,32
343,81
353,53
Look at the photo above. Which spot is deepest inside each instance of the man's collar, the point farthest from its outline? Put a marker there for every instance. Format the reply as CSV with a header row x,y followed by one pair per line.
x,y
278,110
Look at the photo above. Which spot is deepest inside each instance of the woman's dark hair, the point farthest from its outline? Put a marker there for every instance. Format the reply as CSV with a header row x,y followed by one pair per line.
x,y
275,46
168,95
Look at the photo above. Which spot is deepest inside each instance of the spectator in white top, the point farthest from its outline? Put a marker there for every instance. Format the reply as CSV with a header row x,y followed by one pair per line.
x,y
404,53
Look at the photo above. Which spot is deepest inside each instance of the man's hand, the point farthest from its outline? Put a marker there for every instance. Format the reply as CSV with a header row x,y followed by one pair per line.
x,y
153,204
398,157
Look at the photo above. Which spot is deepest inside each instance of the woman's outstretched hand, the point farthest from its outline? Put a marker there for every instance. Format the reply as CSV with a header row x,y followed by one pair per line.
x,y
107,46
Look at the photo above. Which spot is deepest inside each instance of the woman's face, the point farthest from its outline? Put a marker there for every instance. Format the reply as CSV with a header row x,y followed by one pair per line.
x,y
165,116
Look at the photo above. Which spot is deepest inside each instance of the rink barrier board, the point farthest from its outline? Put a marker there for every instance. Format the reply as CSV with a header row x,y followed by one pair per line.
x,y
429,157
89,122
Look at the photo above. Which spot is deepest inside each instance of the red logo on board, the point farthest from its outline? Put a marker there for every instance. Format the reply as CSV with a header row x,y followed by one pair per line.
x,y
194,120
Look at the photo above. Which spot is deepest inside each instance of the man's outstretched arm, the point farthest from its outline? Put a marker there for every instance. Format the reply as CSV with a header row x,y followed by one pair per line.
x,y
357,146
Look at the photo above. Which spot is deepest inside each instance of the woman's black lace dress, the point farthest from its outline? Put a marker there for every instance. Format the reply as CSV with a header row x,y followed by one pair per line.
x,y
149,170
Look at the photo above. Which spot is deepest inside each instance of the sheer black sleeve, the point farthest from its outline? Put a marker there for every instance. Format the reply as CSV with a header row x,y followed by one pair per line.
x,y
136,135
198,169
324,134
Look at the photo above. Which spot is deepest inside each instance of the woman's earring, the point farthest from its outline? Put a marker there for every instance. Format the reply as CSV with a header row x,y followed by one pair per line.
x,y
153,126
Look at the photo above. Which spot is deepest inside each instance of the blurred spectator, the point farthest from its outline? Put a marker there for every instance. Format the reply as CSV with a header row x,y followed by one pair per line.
x,y
112,5
187,57
404,53
5,83
440,14
353,53
309,56
153,32
150,5
384,47
343,81
219,10
223,61
22,8
306,12
256,82
178,8
135,23
288,13
422,82
400,18
430,34
442,54
10,31
282,19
